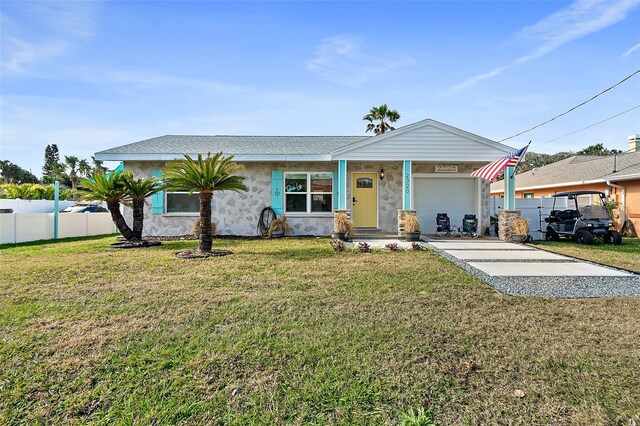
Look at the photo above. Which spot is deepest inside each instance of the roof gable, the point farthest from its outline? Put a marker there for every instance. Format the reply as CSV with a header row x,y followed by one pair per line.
x,y
426,140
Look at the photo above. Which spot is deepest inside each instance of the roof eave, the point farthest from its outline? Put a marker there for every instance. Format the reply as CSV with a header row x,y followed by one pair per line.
x,y
552,185
106,156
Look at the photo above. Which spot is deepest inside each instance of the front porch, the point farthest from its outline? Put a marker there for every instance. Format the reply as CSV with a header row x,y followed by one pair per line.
x,y
375,194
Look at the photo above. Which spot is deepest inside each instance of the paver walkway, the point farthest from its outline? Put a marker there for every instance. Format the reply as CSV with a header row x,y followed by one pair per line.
x,y
520,269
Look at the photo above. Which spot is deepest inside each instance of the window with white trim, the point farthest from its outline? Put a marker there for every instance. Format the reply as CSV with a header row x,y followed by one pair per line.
x,y
308,192
182,202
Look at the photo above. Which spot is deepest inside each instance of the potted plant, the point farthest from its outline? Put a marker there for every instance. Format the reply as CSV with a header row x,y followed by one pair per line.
x,y
342,227
519,229
279,227
411,228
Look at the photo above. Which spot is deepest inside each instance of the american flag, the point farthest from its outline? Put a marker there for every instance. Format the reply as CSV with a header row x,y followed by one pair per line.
x,y
492,170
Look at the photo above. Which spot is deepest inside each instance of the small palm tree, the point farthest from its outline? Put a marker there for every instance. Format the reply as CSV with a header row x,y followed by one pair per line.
x,y
384,115
110,189
136,190
84,169
71,162
205,176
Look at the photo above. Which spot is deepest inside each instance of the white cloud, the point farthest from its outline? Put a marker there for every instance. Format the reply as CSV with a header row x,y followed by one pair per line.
x,y
633,49
581,18
59,26
340,59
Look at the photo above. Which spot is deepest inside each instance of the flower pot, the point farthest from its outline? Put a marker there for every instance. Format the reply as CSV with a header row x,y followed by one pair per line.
x,y
518,238
411,236
278,233
339,236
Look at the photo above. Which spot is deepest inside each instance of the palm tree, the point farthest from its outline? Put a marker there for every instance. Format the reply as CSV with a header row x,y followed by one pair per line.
x,y
98,165
84,168
205,176
71,162
110,189
384,115
136,190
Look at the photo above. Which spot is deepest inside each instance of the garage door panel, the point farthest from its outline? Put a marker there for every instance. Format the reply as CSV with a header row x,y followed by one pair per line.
x,y
454,196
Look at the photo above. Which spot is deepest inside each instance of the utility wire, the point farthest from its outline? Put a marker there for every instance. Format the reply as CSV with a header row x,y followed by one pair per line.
x,y
574,108
592,125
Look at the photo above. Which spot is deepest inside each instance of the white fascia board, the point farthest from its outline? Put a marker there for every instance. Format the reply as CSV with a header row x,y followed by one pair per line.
x,y
553,185
238,157
425,123
632,176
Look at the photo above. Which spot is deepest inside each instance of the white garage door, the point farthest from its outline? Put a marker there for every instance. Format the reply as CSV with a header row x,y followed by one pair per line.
x,y
454,196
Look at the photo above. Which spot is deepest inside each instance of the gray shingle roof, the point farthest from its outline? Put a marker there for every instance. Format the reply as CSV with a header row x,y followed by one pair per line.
x,y
577,168
248,145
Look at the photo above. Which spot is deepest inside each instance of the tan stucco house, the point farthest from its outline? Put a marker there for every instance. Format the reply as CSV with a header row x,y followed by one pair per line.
x,y
615,175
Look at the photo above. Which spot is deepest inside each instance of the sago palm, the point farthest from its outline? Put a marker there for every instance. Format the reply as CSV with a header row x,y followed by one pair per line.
x,y
205,176
136,190
111,190
384,116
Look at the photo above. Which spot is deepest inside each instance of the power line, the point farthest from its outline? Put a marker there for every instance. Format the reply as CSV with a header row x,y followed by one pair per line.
x,y
592,125
574,108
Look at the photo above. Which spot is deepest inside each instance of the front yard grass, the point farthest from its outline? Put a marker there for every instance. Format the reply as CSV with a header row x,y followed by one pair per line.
x,y
626,255
287,332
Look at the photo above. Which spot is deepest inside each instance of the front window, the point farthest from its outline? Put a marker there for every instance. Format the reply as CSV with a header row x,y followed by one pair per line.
x,y
308,192
182,202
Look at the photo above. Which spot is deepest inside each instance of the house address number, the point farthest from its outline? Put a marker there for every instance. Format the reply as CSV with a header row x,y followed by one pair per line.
x,y
446,168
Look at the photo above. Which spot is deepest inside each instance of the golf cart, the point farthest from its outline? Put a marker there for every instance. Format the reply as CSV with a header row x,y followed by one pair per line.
x,y
582,224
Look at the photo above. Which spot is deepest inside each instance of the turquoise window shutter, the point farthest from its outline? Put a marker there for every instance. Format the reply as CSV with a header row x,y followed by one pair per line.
x,y
277,191
335,189
157,199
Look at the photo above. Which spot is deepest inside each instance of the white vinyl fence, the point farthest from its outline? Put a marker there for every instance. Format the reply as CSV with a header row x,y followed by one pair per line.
x,y
533,209
20,227
33,206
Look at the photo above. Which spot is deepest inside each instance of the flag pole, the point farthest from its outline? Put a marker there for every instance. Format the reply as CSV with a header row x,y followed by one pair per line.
x,y
520,159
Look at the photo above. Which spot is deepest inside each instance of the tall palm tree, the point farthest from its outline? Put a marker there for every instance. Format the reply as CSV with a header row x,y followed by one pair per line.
x,y
71,162
136,190
98,165
110,189
205,176
84,168
384,115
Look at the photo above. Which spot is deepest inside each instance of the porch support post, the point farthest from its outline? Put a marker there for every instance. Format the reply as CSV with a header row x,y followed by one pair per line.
x,y
56,208
342,184
509,189
406,185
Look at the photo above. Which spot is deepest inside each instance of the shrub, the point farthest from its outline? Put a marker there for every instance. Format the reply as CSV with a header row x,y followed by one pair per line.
x,y
392,247
364,248
520,226
417,246
279,224
411,224
337,244
343,225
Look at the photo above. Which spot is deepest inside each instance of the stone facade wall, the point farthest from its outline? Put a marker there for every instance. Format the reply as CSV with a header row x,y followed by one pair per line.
x,y
237,213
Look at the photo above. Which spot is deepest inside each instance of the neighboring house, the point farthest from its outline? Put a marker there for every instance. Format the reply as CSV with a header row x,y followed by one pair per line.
x,y
615,175
423,166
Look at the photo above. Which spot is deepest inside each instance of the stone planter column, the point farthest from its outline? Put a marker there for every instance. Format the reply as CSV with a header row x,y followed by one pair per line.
x,y
347,212
402,215
504,224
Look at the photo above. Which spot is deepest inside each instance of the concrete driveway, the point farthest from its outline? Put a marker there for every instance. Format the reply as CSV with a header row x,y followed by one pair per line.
x,y
520,269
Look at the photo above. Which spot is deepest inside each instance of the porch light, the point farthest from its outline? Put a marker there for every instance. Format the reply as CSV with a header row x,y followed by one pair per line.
x,y
381,174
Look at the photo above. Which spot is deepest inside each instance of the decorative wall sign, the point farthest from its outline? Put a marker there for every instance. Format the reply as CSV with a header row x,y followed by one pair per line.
x,y
446,168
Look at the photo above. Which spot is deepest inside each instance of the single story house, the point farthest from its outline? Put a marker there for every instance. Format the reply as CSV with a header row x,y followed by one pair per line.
x,y
423,166
615,175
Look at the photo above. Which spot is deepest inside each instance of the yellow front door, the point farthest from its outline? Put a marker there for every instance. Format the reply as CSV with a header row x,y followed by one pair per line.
x,y
365,199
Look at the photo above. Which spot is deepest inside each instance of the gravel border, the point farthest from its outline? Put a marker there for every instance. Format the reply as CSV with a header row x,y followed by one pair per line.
x,y
553,287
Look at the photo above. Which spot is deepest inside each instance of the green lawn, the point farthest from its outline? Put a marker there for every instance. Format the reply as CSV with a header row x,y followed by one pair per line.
x,y
626,255
287,332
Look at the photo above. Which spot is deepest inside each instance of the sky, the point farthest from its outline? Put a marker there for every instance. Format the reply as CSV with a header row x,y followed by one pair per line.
x,y
89,76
